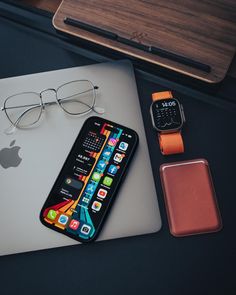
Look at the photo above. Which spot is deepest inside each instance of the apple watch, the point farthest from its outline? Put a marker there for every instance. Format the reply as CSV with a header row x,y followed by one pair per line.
x,y
168,118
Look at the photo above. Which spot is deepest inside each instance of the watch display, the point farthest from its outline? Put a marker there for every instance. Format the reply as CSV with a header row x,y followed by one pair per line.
x,y
166,115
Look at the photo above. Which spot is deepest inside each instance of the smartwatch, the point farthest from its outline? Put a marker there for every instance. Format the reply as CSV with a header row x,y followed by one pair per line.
x,y
168,118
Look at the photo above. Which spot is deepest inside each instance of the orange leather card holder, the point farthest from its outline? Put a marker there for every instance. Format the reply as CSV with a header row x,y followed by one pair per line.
x,y
190,198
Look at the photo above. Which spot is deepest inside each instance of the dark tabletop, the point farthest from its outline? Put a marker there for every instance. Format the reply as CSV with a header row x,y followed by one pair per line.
x,y
151,264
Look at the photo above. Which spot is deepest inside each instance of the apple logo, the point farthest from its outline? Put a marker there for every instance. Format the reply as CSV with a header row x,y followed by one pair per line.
x,y
9,157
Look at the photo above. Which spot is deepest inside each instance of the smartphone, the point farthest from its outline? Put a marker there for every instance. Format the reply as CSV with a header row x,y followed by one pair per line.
x,y
190,198
88,182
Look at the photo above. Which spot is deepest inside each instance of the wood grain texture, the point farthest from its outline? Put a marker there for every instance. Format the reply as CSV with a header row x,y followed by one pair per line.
x,y
201,30
48,5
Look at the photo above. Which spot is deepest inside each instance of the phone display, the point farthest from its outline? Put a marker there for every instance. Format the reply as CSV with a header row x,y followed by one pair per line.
x,y
89,179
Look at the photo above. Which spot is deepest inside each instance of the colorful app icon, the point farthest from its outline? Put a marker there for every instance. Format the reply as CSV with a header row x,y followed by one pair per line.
x,y
106,153
96,205
112,169
112,142
74,224
63,219
90,188
101,165
85,229
123,146
102,193
118,157
107,181
52,214
96,176
85,200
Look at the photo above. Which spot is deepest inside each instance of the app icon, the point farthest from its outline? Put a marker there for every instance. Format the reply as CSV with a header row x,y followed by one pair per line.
x,y
96,176
101,165
106,153
118,157
112,142
85,229
96,205
112,169
74,224
123,146
52,214
102,193
63,219
107,181
85,200
90,188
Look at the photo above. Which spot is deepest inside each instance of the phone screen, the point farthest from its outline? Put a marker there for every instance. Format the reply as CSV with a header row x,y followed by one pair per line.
x,y
89,179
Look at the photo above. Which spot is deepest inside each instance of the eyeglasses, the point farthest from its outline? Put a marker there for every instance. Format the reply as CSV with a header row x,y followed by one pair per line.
x,y
75,98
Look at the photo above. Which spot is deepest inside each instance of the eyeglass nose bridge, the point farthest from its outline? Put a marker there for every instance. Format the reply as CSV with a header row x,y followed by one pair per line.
x,y
41,96
46,90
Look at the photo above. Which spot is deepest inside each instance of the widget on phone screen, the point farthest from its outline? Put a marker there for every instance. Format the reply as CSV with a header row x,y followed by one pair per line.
x,y
74,224
83,163
85,229
102,193
123,146
94,141
71,187
118,157
96,206
107,181
63,219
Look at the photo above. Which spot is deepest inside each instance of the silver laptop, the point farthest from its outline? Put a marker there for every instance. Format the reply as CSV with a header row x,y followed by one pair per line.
x,y
31,159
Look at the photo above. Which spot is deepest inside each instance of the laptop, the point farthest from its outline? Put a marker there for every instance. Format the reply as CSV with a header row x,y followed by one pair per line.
x,y
31,159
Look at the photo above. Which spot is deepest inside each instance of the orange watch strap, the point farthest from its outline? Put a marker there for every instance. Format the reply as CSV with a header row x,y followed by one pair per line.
x,y
162,95
170,143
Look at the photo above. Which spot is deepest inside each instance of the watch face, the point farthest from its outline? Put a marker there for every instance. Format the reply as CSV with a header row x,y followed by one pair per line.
x,y
166,114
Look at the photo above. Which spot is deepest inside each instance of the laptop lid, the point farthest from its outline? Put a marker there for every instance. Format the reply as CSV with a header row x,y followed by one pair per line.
x,y
31,159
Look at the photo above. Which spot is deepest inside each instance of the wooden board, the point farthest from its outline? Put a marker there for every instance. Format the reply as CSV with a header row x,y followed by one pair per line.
x,y
48,5
204,31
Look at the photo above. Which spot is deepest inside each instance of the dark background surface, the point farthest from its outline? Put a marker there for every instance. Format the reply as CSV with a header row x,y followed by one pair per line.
x,y
151,264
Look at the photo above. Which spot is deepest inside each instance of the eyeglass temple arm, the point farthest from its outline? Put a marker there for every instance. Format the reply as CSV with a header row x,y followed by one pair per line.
x,y
95,87
21,106
22,115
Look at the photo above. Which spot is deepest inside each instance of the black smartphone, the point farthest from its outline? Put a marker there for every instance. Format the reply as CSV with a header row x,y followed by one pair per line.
x,y
89,180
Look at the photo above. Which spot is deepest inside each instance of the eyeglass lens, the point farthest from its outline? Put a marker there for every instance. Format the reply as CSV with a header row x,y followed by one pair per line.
x,y
76,97
23,109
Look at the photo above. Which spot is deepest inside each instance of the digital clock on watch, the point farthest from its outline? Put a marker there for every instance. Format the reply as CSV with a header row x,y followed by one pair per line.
x,y
167,115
